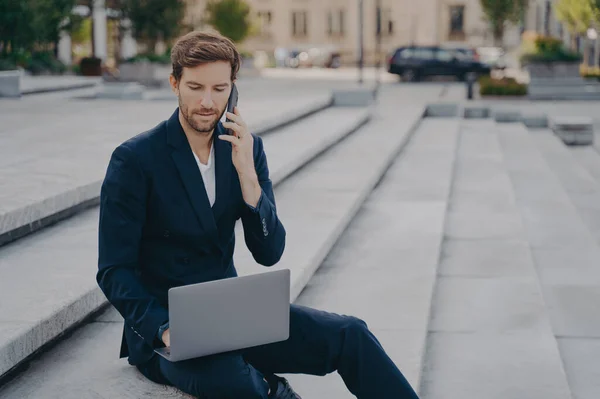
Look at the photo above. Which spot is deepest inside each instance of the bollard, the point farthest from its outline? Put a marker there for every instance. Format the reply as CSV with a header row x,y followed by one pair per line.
x,y
470,83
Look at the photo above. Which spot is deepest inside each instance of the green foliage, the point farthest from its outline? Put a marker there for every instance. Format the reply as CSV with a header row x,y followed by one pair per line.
x,y
26,24
489,86
499,12
577,15
45,62
230,17
7,64
153,20
546,44
549,49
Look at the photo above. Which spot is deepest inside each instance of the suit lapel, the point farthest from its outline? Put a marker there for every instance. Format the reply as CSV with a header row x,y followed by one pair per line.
x,y
190,174
223,170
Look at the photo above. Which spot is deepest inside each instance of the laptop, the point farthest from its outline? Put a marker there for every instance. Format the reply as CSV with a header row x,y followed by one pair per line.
x,y
230,314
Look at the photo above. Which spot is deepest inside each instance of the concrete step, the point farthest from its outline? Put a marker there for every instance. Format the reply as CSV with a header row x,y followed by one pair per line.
x,y
565,251
490,333
44,180
388,256
572,271
312,230
35,307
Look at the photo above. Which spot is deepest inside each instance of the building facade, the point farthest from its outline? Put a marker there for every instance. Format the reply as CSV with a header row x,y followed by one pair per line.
x,y
299,24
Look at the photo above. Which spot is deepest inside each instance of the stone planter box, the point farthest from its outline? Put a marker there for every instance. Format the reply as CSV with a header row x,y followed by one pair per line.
x,y
146,73
10,83
553,70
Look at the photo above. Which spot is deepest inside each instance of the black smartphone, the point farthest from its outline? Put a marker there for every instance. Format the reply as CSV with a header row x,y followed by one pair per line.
x,y
233,100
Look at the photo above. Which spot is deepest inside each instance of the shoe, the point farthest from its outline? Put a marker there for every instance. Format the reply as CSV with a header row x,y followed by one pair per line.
x,y
284,390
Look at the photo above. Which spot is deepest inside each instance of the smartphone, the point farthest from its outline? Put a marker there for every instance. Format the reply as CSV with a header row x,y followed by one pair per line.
x,y
233,100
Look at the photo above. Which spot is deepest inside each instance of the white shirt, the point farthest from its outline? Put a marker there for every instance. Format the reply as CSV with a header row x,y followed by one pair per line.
x,y
208,174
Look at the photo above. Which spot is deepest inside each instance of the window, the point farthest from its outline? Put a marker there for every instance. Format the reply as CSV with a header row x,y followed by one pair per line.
x,y
457,19
423,54
384,23
264,21
457,23
335,23
444,55
299,23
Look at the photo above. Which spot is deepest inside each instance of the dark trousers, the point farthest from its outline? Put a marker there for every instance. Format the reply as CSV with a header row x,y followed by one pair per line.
x,y
319,343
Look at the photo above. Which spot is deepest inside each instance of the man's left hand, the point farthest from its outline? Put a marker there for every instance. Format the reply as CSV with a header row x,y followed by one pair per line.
x,y
242,144
242,155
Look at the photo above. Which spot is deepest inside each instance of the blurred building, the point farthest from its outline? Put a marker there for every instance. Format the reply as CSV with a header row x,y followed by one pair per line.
x,y
305,24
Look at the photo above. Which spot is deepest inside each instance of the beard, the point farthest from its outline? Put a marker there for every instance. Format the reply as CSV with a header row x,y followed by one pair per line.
x,y
201,127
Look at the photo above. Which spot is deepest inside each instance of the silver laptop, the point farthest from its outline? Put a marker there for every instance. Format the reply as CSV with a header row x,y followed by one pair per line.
x,y
224,315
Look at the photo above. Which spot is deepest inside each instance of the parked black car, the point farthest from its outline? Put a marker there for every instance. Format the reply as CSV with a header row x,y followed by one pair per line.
x,y
416,62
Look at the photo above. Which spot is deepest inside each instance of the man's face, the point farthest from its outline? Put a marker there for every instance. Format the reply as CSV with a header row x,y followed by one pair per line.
x,y
203,92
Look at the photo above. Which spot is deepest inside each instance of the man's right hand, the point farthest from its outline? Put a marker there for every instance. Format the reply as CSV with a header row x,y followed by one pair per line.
x,y
166,337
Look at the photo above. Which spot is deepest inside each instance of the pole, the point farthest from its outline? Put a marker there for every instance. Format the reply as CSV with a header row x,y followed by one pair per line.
x,y
360,41
378,47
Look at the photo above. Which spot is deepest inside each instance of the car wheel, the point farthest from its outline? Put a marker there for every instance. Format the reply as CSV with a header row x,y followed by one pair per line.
x,y
409,75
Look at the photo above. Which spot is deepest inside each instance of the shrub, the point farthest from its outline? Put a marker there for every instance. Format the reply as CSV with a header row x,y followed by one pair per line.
x,y
489,86
545,44
548,49
590,73
45,62
7,64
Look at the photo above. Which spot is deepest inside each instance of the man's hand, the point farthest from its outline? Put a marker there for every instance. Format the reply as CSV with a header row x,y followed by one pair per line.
x,y
166,337
242,143
242,155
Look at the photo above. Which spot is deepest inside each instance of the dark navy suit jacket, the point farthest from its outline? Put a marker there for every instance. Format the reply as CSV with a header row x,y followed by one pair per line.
x,y
157,229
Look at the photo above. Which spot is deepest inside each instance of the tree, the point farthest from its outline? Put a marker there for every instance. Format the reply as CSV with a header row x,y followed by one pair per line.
x,y
230,17
29,25
500,12
578,16
154,20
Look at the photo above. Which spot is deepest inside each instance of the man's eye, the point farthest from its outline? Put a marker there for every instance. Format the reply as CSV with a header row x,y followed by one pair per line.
x,y
220,90
194,88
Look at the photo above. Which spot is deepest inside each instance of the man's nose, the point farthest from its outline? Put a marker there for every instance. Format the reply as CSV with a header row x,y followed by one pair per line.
x,y
207,101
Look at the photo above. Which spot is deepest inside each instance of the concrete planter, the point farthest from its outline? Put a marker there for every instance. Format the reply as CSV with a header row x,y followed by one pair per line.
x,y
553,70
10,83
144,72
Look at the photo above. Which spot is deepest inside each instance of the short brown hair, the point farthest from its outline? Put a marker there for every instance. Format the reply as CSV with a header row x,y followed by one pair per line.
x,y
197,48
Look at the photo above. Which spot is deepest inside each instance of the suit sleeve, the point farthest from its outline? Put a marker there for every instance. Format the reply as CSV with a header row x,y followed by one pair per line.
x,y
263,231
122,217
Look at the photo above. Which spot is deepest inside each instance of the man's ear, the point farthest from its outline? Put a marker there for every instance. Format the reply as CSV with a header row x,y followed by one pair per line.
x,y
174,84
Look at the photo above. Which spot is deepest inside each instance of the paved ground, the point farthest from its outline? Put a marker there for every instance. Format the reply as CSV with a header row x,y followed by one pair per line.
x,y
475,261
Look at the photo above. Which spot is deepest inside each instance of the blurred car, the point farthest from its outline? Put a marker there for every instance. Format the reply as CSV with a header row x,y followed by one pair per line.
x,y
413,63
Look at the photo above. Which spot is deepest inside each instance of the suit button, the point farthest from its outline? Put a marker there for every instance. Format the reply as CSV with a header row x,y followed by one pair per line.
x,y
166,234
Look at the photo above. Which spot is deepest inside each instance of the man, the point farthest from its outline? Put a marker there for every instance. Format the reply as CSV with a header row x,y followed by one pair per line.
x,y
169,204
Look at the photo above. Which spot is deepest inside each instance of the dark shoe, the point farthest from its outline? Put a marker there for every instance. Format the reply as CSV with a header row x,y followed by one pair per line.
x,y
284,390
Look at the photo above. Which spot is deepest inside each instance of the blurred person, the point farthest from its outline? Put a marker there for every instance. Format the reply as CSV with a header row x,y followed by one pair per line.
x,y
169,203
